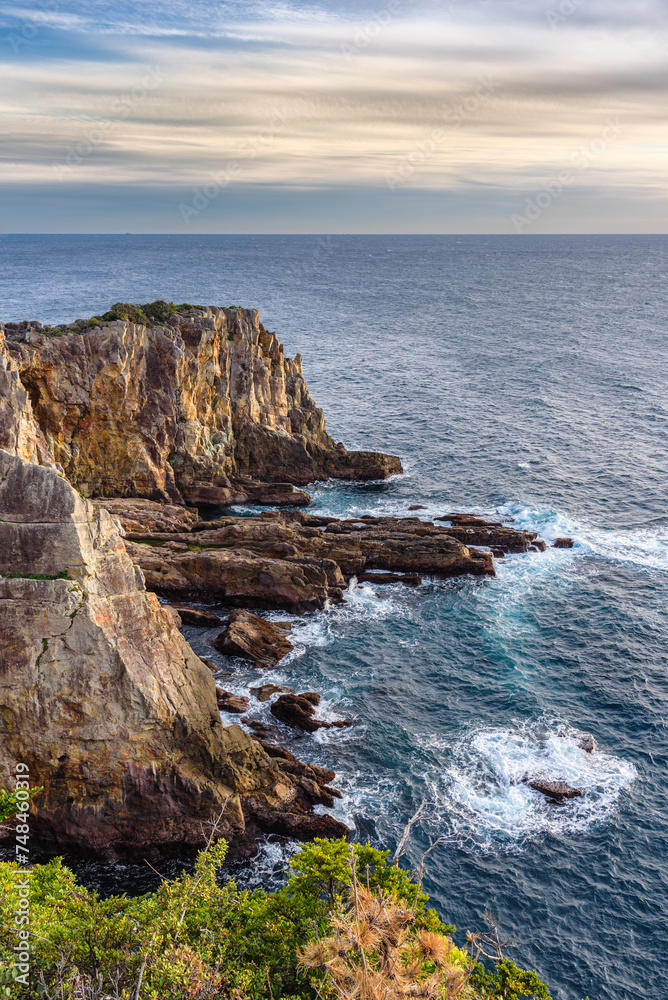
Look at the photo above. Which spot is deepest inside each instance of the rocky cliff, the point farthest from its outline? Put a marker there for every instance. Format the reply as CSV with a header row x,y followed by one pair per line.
x,y
100,695
179,403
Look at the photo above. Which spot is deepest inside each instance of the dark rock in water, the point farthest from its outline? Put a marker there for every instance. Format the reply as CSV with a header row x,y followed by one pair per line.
x,y
254,638
312,697
417,506
586,742
228,702
557,790
498,553
342,723
265,692
562,543
408,579
539,544
305,827
195,616
472,530
298,710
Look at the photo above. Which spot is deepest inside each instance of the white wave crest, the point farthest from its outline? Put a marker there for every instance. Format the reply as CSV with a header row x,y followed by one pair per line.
x,y
482,797
643,547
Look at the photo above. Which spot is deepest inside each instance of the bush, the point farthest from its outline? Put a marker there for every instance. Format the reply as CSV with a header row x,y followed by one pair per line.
x,y
195,938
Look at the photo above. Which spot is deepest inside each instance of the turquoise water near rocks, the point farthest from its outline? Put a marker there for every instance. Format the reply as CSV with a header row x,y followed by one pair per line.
x,y
523,378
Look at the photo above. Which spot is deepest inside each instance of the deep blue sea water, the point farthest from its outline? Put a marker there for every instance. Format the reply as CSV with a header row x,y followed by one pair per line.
x,y
516,377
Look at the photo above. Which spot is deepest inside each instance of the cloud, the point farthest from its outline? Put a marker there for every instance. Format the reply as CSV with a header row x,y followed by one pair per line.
x,y
360,92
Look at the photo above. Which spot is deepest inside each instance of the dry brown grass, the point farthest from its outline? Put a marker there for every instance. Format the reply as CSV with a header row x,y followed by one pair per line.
x,y
376,951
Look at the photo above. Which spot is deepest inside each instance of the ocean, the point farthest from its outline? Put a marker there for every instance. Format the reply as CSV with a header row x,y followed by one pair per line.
x,y
518,378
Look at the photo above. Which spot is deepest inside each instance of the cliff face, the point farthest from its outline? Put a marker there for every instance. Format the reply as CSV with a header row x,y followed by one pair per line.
x,y
99,693
186,410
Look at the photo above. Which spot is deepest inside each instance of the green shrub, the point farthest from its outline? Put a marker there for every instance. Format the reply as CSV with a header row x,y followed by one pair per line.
x,y
197,938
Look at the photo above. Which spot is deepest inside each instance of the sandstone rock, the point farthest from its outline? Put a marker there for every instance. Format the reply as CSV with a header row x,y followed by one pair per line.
x,y
287,560
263,731
179,409
408,579
562,543
228,702
557,790
298,710
253,638
265,692
195,616
240,577
586,742
136,514
473,530
100,695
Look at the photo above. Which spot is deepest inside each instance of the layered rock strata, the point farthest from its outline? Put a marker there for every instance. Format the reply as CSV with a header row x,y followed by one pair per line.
x,y
297,561
103,699
200,406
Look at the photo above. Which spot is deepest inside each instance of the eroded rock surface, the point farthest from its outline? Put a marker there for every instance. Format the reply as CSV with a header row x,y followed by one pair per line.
x,y
553,789
104,700
291,559
298,710
199,405
253,638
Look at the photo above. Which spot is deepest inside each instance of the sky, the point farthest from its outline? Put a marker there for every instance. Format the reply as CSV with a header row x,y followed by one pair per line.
x,y
406,116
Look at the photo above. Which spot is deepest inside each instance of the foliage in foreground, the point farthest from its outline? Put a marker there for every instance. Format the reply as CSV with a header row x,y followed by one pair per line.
x,y
347,926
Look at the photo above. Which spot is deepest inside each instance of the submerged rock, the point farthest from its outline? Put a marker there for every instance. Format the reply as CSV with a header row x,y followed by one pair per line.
x,y
253,638
556,790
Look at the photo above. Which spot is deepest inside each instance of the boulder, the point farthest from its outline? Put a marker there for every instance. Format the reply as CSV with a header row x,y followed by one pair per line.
x,y
298,710
586,742
562,543
253,638
417,506
556,790
228,702
265,692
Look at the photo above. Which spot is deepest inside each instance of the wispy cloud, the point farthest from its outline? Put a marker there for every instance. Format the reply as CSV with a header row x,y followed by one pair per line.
x,y
349,121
